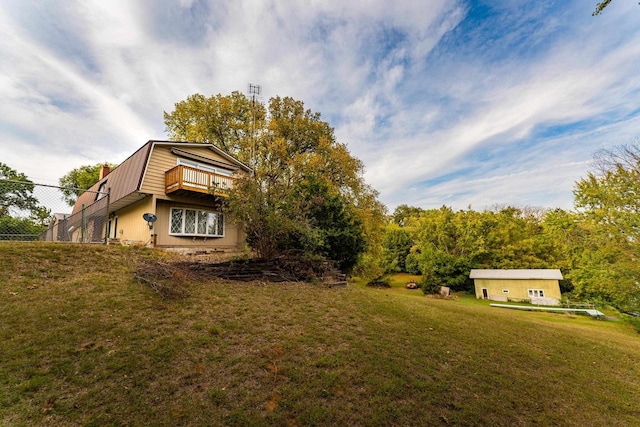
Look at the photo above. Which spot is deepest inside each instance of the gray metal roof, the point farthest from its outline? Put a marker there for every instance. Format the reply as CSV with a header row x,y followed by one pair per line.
x,y
547,274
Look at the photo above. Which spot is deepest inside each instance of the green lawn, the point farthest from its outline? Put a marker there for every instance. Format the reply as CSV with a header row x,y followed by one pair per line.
x,y
83,343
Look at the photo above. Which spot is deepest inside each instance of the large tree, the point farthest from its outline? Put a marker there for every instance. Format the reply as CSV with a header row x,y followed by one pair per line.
x,y
607,199
230,122
76,181
306,191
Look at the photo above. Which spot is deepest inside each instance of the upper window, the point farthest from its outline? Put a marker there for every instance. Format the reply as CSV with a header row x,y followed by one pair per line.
x,y
102,191
196,222
204,167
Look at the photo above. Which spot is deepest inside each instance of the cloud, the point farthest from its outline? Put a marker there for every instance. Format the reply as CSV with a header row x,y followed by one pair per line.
x,y
455,103
481,104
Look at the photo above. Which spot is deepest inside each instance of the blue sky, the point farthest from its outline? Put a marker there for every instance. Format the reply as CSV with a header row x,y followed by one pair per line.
x,y
458,103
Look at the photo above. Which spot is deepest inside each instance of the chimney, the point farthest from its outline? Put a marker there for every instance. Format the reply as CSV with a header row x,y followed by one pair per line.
x,y
104,171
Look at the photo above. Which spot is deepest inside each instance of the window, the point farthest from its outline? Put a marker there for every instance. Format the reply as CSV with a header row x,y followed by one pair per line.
x,y
102,191
204,167
535,293
194,222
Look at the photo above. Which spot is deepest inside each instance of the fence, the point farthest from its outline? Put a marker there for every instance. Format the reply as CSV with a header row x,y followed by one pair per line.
x,y
30,212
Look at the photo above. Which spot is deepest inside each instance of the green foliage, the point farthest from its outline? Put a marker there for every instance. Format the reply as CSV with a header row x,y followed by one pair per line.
x,y
597,247
404,214
412,263
322,224
396,247
442,269
230,122
18,229
430,283
340,232
16,203
606,259
16,195
635,322
79,179
445,245
306,191
379,282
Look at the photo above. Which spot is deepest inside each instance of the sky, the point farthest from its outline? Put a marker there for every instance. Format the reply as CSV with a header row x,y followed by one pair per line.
x,y
456,103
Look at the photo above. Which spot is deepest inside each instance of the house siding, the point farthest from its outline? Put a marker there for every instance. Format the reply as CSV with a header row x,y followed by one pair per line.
x,y
132,228
518,289
161,160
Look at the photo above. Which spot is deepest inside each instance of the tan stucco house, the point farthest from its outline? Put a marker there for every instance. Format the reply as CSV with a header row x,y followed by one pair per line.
x,y
178,184
538,286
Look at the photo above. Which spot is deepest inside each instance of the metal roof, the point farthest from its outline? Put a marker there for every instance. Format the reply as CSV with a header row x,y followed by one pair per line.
x,y
123,181
547,274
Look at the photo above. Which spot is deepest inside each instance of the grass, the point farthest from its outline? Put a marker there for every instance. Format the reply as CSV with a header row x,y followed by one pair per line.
x,y
83,343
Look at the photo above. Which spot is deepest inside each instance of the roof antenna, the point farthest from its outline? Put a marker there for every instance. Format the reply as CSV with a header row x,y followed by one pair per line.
x,y
254,92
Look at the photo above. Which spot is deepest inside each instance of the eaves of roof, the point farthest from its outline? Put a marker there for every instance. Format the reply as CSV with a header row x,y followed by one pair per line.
x,y
544,274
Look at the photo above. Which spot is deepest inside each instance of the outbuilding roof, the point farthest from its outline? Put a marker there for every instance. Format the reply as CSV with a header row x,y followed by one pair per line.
x,y
547,274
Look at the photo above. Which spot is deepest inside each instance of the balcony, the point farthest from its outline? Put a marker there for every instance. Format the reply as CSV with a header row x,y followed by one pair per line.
x,y
184,178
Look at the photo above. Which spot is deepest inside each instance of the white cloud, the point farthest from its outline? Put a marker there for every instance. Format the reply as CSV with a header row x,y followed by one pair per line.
x,y
418,93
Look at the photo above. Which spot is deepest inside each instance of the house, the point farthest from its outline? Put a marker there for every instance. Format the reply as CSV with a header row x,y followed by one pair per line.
x,y
166,194
538,286
58,229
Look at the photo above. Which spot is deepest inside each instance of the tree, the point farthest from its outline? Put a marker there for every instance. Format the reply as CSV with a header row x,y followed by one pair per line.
x,y
396,247
562,231
79,179
404,213
607,199
16,192
448,244
331,227
306,191
228,122
16,201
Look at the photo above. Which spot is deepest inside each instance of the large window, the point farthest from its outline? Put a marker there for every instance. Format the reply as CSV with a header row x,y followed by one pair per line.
x,y
196,222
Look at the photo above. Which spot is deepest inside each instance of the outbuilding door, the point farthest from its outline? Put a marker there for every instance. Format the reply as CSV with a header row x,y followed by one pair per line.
x,y
485,294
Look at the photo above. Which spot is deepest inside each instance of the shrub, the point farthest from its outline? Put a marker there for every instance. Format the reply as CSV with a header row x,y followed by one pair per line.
x,y
380,282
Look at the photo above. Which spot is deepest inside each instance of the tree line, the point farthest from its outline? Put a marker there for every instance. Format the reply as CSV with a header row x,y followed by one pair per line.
x,y
596,245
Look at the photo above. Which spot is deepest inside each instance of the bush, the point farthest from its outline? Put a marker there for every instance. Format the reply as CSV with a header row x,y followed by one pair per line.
x,y
18,229
430,283
380,282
